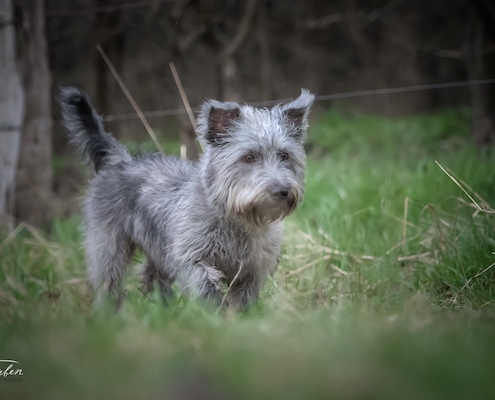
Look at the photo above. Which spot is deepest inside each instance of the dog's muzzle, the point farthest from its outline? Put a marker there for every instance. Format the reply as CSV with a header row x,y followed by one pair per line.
x,y
282,194
279,193
277,203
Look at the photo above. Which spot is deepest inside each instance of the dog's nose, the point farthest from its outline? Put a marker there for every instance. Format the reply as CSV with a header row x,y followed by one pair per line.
x,y
279,193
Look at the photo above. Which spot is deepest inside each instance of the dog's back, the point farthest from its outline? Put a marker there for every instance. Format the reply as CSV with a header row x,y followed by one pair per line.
x,y
128,200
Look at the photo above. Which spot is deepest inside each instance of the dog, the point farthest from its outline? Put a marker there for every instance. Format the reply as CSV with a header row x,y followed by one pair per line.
x,y
215,226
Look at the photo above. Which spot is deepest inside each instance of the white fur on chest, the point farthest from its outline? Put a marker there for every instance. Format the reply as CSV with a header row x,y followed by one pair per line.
x,y
225,246
265,247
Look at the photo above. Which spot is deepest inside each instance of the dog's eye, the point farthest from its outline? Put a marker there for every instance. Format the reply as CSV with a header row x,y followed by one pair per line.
x,y
249,158
283,156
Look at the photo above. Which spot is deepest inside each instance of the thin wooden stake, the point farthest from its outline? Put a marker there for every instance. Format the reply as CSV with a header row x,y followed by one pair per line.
x,y
456,214
129,97
184,98
404,225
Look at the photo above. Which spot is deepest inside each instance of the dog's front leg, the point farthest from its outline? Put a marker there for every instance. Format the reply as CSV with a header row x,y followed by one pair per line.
x,y
243,292
150,277
203,281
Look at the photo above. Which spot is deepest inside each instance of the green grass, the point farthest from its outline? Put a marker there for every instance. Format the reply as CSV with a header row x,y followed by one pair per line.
x,y
352,313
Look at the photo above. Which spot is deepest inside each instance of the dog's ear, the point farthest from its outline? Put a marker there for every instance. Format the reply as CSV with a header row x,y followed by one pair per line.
x,y
216,120
296,113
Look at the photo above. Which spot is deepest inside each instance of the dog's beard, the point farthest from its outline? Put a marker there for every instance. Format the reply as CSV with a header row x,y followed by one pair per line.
x,y
263,210
263,217
256,207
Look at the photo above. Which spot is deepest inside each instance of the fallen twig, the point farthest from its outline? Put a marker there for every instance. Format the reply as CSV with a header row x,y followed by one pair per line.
x,y
401,243
469,280
489,211
306,266
230,285
414,256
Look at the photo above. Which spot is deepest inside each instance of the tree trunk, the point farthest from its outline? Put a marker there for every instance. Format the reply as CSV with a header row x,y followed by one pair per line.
x,y
373,74
480,66
265,67
399,60
482,129
11,114
228,74
34,175
228,66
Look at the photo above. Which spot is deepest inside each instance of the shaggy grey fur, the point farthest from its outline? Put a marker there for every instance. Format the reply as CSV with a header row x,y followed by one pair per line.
x,y
199,224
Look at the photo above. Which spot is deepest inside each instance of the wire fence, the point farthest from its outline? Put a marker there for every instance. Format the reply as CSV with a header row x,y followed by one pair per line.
x,y
326,97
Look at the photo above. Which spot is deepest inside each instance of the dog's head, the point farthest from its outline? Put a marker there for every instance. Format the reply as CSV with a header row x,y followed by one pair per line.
x,y
254,159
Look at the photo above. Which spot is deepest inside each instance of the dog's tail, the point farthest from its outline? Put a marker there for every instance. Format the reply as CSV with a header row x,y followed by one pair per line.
x,y
86,130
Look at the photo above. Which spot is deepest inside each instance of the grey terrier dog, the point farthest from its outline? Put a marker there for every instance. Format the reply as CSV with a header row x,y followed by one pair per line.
x,y
210,225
